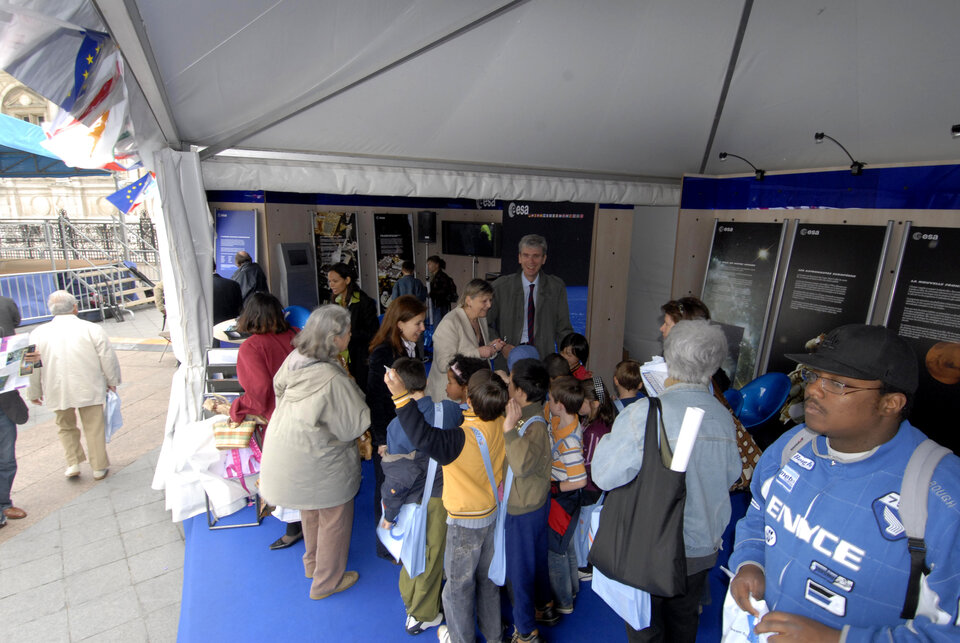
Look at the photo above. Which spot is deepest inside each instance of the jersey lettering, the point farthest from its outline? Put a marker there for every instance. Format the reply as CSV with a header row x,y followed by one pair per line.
x,y
822,540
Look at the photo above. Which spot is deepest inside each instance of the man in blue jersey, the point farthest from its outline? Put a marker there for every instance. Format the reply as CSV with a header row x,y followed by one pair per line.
x,y
823,541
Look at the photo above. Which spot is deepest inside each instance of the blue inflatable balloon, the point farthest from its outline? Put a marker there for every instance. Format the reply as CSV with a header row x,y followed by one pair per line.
x,y
734,399
296,316
763,398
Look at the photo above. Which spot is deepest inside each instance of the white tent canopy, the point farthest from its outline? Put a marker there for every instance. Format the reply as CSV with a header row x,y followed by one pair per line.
x,y
603,96
611,101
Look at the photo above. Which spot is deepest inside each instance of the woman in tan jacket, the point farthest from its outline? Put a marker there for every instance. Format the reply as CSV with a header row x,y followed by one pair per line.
x,y
462,331
310,459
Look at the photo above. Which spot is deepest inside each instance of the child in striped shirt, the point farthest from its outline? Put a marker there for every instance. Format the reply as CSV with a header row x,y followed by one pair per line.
x,y
568,477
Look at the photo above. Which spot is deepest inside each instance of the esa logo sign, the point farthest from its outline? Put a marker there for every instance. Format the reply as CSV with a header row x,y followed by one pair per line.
x,y
809,232
518,210
725,229
918,236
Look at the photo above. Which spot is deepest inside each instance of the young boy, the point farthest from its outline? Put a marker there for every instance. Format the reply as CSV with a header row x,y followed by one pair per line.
x,y
627,381
525,528
568,476
468,498
405,473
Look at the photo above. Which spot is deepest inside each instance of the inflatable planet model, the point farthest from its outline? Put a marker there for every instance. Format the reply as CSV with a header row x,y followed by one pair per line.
x,y
943,362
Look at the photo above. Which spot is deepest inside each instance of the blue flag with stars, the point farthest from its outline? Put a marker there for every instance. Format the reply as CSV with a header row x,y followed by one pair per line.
x,y
126,198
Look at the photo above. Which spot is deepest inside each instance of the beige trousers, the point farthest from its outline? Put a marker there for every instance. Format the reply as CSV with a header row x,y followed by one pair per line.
x,y
93,422
326,537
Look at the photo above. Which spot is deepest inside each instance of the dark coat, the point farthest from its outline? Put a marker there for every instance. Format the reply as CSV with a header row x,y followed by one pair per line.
x,y
227,299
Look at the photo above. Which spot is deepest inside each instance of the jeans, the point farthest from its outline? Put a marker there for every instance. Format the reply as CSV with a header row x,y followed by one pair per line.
x,y
8,459
466,560
563,575
674,619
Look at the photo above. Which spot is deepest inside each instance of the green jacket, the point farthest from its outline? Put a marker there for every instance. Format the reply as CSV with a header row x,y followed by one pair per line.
x,y
530,458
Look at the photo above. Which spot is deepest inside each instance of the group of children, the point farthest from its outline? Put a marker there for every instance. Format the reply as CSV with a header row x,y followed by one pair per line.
x,y
527,435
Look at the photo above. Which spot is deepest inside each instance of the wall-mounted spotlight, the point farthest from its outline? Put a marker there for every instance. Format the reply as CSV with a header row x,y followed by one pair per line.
x,y
955,131
856,167
757,172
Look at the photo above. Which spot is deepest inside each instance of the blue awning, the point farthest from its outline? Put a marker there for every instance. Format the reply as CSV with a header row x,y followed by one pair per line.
x,y
21,154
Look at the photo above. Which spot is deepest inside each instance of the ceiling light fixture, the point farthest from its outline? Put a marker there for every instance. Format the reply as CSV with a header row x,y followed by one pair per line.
x,y
757,172
856,167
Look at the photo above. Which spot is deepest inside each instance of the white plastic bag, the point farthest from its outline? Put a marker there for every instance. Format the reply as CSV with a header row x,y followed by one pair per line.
x,y
738,625
113,420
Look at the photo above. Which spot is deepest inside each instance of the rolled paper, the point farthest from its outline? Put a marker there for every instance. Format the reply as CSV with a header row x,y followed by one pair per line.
x,y
688,436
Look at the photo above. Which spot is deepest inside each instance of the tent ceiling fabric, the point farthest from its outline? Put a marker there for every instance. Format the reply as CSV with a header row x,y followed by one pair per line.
x,y
622,88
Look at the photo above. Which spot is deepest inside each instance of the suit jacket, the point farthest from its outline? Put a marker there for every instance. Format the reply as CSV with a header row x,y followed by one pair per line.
x,y
551,322
453,335
251,278
227,299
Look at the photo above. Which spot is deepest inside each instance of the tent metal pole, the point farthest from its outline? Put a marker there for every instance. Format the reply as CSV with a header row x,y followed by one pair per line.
x,y
731,66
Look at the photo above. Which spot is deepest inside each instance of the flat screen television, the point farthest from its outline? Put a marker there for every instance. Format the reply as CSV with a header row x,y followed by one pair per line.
x,y
471,238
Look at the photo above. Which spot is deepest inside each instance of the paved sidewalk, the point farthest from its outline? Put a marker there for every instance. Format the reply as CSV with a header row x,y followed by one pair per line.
x,y
97,560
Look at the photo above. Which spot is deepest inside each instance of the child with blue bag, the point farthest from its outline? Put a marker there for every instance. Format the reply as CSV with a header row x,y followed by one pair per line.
x,y
466,454
405,473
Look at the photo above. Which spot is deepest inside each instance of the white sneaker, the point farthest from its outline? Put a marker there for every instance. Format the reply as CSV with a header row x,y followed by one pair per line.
x,y
413,626
72,471
443,634
100,474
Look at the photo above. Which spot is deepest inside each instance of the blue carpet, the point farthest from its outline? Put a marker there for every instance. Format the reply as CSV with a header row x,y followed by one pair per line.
x,y
235,589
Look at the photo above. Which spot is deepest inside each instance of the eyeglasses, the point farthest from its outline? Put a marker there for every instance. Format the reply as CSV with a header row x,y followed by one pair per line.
x,y
832,386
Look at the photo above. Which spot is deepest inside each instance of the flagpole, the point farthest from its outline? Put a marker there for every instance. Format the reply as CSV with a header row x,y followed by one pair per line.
x,y
123,224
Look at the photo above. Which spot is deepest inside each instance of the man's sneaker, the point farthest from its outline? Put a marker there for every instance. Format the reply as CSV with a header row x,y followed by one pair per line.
x,y
585,573
532,637
414,626
443,634
72,471
100,474
564,609
547,615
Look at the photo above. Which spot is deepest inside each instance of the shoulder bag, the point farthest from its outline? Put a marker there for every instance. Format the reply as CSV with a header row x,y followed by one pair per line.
x,y
639,539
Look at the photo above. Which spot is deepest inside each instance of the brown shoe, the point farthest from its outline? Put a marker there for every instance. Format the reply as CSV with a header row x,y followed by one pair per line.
x,y
348,580
14,513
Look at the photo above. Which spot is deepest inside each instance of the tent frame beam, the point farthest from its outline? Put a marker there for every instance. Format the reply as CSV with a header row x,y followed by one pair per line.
x,y
727,80
305,158
315,97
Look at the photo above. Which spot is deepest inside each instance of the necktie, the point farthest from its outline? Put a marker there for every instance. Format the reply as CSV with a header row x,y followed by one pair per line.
x,y
531,310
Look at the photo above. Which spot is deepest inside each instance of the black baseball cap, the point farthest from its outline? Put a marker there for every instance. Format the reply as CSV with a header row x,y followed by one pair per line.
x,y
865,353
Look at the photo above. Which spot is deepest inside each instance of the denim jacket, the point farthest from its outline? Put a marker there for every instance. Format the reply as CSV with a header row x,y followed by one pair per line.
x,y
714,464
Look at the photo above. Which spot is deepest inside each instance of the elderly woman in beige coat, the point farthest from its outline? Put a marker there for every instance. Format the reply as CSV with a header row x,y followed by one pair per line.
x,y
463,330
310,460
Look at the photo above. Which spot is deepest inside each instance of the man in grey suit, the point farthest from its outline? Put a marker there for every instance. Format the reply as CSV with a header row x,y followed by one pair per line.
x,y
543,326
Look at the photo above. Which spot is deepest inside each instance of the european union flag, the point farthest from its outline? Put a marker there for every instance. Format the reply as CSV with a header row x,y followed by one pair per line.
x,y
127,198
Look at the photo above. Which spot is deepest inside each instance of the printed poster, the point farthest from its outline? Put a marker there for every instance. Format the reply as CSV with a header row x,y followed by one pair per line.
x,y
335,237
832,280
925,310
739,287
394,237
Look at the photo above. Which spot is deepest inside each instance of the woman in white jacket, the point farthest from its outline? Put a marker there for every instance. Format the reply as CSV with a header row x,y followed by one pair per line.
x,y
310,459
462,331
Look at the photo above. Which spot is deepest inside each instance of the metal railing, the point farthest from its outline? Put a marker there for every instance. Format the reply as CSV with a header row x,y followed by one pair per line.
x,y
98,292
83,243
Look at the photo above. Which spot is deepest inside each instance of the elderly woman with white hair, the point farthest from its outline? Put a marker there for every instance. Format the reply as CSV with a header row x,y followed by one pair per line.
x,y
310,459
693,351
